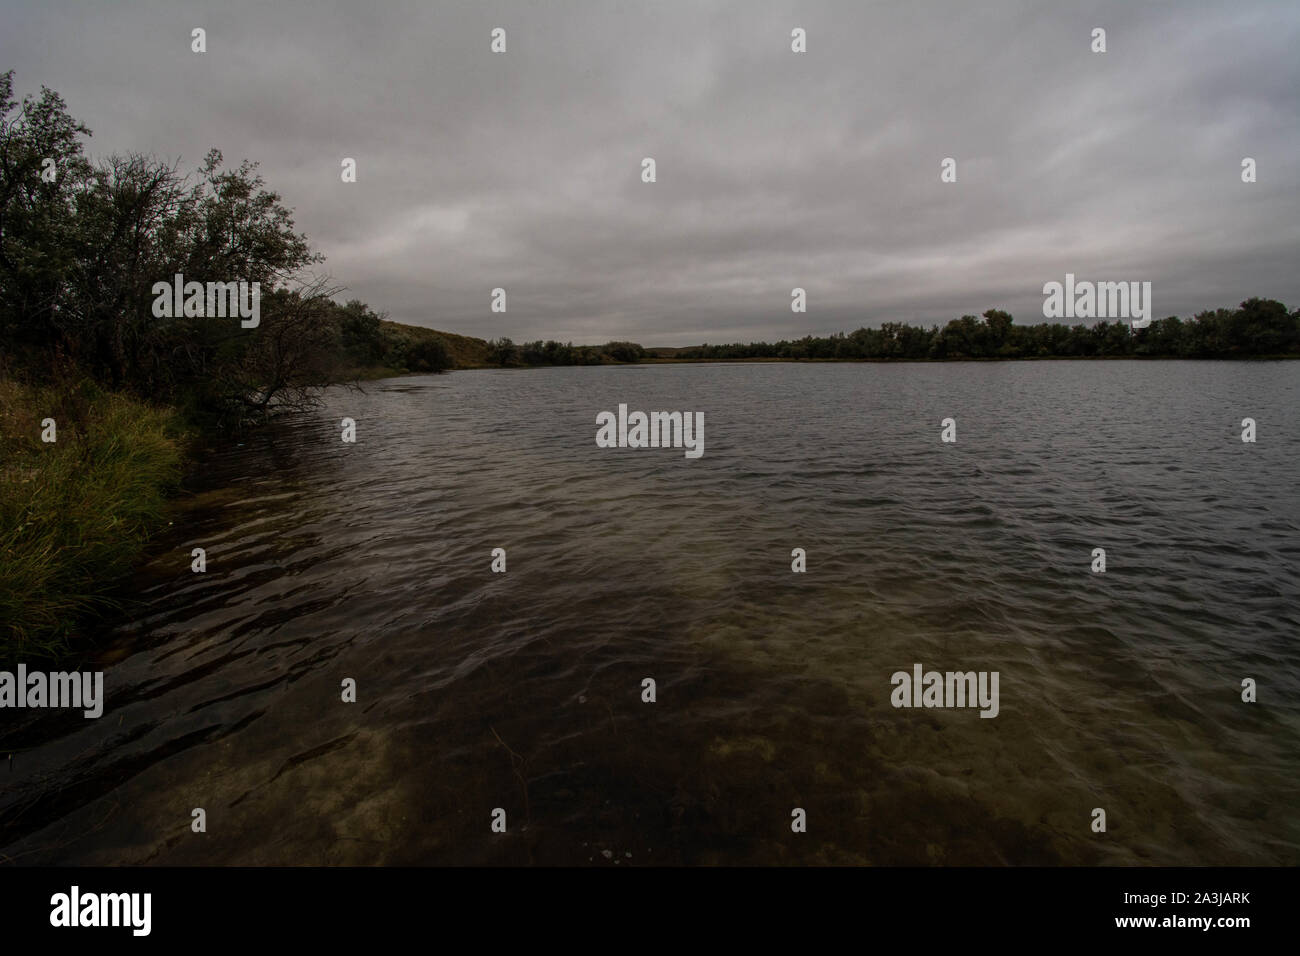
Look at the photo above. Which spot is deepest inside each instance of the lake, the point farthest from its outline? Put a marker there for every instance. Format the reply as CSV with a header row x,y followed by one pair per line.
x,y
523,690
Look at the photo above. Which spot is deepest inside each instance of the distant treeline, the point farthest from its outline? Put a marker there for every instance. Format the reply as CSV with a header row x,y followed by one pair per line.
x,y
506,353
1258,328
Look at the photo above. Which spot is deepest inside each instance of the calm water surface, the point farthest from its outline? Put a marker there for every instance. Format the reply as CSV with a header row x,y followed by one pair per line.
x,y
522,690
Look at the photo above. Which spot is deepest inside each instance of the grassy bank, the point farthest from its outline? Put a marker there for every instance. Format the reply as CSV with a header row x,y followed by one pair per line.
x,y
75,513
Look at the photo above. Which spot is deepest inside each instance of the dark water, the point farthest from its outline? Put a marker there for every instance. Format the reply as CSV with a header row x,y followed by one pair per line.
x,y
523,690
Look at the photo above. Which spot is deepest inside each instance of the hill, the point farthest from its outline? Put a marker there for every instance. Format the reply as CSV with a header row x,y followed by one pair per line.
x,y
465,351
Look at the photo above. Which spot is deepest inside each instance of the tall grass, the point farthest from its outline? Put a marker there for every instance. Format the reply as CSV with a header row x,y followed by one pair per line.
x,y
75,513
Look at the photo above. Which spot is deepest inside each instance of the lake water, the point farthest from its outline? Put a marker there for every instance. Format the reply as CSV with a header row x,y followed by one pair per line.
x,y
523,690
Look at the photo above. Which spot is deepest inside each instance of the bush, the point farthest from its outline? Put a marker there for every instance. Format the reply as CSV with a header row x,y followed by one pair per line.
x,y
75,513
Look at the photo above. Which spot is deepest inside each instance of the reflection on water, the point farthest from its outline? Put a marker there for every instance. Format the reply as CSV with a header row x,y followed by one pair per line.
x,y
523,690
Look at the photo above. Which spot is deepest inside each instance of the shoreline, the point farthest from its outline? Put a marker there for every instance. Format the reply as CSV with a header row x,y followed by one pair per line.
x,y
655,360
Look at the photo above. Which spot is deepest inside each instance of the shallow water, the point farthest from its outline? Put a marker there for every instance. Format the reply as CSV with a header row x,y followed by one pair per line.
x,y
522,690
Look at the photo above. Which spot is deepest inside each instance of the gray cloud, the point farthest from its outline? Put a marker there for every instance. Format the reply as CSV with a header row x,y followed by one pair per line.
x,y
775,170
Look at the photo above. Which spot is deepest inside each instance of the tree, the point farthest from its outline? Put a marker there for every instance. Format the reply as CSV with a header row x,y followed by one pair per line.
x,y
1263,327
80,253
428,354
502,351
37,228
361,332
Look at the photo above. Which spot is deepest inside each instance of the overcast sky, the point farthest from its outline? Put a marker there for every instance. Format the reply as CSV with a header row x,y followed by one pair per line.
x,y
820,170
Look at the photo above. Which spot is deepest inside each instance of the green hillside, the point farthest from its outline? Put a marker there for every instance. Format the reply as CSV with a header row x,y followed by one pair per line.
x,y
465,351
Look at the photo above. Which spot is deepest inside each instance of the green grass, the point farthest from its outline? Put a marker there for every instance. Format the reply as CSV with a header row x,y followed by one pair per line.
x,y
76,513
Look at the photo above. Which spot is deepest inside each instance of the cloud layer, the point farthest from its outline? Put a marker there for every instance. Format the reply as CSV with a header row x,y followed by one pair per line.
x,y
775,169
